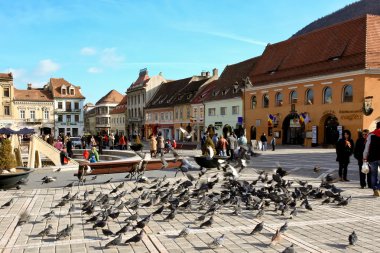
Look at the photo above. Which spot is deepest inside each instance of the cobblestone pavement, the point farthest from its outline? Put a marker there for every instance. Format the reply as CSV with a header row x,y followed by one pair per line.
x,y
324,229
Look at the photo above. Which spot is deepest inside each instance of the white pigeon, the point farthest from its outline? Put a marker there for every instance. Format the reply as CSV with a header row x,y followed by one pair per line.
x,y
217,242
186,134
210,152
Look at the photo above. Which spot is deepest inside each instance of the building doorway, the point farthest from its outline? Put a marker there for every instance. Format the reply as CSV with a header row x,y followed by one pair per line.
x,y
293,130
331,130
253,133
45,130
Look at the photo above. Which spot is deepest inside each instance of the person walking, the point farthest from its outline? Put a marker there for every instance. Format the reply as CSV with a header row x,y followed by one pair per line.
x,y
69,146
64,156
273,143
371,155
358,154
222,144
264,141
111,141
160,144
153,145
344,149
232,145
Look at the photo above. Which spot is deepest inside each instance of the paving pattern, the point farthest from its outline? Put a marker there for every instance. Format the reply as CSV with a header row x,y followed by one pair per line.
x,y
325,229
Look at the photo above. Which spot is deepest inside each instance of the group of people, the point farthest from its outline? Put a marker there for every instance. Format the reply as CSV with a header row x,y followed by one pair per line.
x,y
158,145
367,151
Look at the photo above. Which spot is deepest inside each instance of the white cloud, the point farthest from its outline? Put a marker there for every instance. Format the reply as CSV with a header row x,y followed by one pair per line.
x,y
94,70
46,67
87,51
111,58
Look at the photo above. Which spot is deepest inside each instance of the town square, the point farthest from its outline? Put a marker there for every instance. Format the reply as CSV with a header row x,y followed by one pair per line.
x,y
176,126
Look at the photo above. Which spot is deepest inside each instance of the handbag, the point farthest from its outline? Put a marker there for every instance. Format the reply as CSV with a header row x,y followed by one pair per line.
x,y
365,168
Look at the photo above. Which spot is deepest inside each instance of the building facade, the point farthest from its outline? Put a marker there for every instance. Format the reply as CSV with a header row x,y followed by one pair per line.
x,y
89,118
308,89
139,94
118,121
103,109
6,95
68,107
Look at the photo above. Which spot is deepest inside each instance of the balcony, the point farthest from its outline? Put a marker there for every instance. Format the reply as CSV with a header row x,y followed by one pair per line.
x,y
33,120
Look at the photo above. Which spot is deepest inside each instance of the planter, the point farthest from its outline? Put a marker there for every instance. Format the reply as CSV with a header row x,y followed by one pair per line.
x,y
204,162
137,147
10,180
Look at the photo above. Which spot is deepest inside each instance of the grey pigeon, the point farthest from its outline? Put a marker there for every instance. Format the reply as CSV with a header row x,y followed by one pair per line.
x,y
184,232
114,242
124,229
283,228
289,249
10,202
49,215
65,232
24,218
107,232
46,231
136,238
352,239
217,242
258,228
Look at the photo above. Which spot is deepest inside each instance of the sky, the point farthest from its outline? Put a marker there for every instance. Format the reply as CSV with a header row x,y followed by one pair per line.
x,y
102,44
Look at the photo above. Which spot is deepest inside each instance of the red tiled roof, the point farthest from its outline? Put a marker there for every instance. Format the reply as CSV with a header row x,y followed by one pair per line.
x,y
203,92
33,95
338,48
185,95
121,107
231,74
57,83
167,93
142,79
111,97
6,75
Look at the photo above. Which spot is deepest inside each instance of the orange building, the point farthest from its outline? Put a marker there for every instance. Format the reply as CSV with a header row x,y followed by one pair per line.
x,y
307,89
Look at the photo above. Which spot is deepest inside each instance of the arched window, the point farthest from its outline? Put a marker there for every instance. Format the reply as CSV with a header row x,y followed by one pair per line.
x,y
279,99
293,97
265,100
309,98
253,102
327,95
347,94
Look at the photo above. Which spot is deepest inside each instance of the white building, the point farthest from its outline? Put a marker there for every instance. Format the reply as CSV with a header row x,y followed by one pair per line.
x,y
118,122
103,109
68,107
139,94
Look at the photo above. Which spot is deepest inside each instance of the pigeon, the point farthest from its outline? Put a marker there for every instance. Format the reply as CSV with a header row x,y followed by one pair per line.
x,y
107,232
85,195
171,215
316,169
260,214
186,134
136,238
124,229
93,178
48,215
352,239
70,185
65,232
207,223
46,179
99,224
46,231
258,228
283,228
293,213
289,249
158,211
345,201
24,218
275,238
142,223
10,202
108,181
133,217
217,242
71,209
114,242
58,170
184,232
114,215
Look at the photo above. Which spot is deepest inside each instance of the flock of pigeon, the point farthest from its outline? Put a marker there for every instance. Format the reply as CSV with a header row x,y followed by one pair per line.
x,y
206,194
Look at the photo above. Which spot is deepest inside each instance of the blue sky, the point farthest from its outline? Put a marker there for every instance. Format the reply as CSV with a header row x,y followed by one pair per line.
x,y
102,44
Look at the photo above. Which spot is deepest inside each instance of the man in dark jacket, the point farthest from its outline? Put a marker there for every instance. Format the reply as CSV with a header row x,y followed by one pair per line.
x,y
344,149
69,146
371,155
264,142
358,154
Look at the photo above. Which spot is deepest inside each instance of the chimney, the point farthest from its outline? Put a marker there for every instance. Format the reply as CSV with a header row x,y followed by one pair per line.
x,y
208,74
215,72
29,86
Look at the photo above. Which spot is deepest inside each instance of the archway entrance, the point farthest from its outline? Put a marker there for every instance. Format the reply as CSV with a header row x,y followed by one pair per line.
x,y
331,130
293,130
253,133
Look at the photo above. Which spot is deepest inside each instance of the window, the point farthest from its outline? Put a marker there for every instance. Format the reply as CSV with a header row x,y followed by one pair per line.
x,y
22,114
266,101
327,95
68,106
75,131
6,92
176,113
60,105
201,112
235,109
162,116
166,116
68,118
76,105
309,97
46,114
347,94
76,118
60,118
72,91
32,114
7,111
195,112
138,99
253,102
188,112
279,99
63,91
156,116
293,97
211,111
223,110
181,113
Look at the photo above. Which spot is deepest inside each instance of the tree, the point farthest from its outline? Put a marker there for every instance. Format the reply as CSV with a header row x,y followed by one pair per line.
x,y
7,158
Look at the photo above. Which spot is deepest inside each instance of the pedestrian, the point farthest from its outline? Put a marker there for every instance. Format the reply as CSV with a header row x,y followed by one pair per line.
x,y
94,155
232,145
371,155
264,141
93,141
222,144
273,143
160,144
122,142
153,145
86,154
242,140
344,149
215,139
111,141
358,154
64,156
100,143
69,146
59,145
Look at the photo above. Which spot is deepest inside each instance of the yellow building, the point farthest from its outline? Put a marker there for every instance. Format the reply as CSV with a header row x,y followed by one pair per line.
x,y
6,95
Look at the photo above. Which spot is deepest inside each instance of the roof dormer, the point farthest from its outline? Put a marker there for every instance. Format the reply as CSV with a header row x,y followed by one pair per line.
x,y
72,90
63,90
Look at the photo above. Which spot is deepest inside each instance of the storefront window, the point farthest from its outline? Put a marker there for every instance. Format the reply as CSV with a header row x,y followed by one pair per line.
x,y
309,97
279,99
327,95
347,94
266,101
293,97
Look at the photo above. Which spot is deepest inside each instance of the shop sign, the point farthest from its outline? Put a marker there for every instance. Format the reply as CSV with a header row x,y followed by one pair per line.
x,y
314,131
351,116
218,124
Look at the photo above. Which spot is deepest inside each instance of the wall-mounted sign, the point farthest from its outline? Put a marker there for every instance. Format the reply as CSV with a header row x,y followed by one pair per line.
x,y
314,134
218,124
